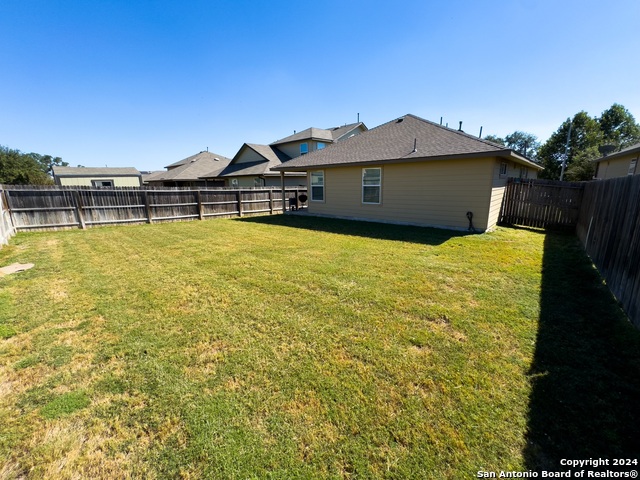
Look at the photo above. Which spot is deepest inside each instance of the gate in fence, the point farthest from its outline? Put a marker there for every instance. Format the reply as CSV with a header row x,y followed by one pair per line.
x,y
541,203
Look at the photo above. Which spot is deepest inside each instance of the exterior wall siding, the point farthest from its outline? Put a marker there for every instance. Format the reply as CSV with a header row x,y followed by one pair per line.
x,y
498,187
293,149
86,181
289,181
617,167
437,193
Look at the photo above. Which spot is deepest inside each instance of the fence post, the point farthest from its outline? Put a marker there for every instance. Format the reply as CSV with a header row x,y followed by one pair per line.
x,y
239,198
199,200
271,200
79,212
147,205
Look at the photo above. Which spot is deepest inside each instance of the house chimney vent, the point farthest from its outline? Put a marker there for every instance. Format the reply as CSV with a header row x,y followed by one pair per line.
x,y
460,127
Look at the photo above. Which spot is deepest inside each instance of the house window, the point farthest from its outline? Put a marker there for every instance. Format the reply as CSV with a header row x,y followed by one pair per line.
x,y
503,168
304,148
102,183
524,172
234,182
317,186
632,167
371,185
321,145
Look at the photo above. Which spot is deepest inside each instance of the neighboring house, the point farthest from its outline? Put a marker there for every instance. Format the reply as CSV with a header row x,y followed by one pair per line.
x,y
97,177
412,171
189,171
251,166
619,164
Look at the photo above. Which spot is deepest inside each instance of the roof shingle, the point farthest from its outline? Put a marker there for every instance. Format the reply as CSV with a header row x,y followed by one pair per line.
x,y
405,138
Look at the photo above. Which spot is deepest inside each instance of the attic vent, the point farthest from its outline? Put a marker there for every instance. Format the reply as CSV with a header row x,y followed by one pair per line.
x,y
216,159
399,120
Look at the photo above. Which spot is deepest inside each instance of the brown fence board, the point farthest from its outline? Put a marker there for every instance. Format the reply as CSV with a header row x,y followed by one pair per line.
x,y
609,229
56,207
541,203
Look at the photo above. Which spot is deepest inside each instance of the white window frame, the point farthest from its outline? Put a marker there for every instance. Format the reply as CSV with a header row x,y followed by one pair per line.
x,y
632,167
371,185
504,166
313,188
305,150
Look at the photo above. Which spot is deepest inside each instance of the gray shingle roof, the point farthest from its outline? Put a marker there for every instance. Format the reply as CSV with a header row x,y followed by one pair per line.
x,y
323,134
198,156
395,140
625,151
272,158
95,172
193,168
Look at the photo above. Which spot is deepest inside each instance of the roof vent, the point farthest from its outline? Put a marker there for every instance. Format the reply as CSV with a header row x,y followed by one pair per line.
x,y
460,127
216,159
399,120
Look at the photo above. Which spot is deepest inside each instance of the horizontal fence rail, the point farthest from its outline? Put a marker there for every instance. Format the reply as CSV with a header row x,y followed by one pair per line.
x,y
44,208
541,203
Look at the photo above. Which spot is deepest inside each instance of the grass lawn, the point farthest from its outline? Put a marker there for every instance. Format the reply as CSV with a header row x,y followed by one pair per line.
x,y
292,347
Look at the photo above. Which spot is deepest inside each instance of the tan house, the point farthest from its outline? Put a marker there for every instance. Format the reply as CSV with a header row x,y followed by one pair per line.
x,y
188,172
412,171
251,166
619,164
97,177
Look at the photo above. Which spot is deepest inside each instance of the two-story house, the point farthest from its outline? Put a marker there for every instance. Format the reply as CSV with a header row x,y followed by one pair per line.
x,y
251,166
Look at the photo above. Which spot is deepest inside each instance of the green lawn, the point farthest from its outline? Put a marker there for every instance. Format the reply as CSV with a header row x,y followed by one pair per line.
x,y
292,347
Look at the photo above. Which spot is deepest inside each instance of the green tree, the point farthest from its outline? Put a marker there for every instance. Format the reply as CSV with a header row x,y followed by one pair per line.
x,y
522,142
619,127
47,162
615,126
585,135
495,139
18,168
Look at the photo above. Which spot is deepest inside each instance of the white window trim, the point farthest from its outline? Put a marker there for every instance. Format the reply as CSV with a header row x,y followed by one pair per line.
x,y
379,186
506,169
311,186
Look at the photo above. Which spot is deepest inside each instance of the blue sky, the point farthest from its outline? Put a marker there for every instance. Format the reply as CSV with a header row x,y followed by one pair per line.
x,y
146,83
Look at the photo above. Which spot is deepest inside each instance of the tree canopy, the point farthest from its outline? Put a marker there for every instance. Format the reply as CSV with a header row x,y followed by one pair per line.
x,y
522,142
615,126
18,168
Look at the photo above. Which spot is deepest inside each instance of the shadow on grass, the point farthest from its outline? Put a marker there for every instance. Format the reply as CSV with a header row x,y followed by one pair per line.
x,y
381,231
585,376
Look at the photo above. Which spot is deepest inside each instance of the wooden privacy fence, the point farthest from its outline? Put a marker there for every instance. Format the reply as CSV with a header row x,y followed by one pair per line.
x,y
6,226
34,208
541,203
609,229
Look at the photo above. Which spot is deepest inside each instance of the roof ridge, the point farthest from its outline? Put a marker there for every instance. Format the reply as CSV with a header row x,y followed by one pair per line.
x,y
459,132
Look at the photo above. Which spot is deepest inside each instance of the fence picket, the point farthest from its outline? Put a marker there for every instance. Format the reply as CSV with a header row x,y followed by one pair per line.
x,y
31,207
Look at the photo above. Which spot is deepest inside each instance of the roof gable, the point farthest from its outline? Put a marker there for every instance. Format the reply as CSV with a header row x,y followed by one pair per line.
x,y
272,157
193,168
329,135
